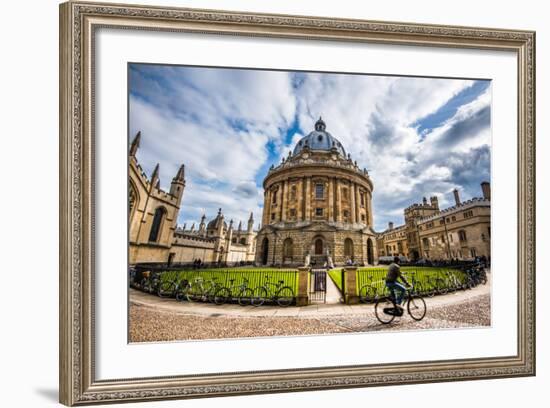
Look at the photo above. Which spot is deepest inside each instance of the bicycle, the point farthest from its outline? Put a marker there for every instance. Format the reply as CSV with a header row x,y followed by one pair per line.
x,y
386,309
283,295
150,282
170,287
368,292
199,290
243,293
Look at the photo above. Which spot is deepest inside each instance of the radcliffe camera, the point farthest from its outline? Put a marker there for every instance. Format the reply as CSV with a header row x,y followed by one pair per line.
x,y
290,203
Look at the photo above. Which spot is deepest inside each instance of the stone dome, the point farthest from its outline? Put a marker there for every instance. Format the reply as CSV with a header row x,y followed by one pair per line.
x,y
319,139
212,225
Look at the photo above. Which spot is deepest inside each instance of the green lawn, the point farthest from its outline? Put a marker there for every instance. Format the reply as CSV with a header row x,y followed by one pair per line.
x,y
428,278
336,276
255,277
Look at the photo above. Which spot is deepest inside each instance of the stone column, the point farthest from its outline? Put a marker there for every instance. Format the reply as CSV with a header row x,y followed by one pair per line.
x,y
330,198
350,285
308,199
267,207
338,206
284,200
352,201
302,298
358,206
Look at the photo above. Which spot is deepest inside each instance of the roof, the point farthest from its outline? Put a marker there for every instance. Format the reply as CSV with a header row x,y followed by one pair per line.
x,y
319,139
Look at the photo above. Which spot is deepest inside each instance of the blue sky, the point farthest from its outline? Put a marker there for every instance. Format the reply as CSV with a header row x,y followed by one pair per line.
x,y
416,136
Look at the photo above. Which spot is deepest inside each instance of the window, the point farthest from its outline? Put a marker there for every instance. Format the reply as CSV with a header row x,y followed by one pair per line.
x,y
234,240
362,195
425,242
288,249
451,237
243,241
473,252
483,237
348,248
462,236
442,222
318,212
453,218
363,217
293,193
468,214
345,193
272,216
158,218
319,191
442,238
489,231
346,214
292,212
274,196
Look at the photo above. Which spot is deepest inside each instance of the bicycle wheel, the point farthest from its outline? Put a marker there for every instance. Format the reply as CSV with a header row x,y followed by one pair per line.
x,y
416,306
260,296
363,293
166,289
383,310
285,296
221,296
245,297
195,293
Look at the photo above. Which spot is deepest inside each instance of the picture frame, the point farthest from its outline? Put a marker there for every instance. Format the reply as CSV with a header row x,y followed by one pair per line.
x,y
79,22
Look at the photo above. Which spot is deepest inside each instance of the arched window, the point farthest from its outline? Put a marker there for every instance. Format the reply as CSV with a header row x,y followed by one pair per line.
x,y
348,248
158,219
288,249
243,241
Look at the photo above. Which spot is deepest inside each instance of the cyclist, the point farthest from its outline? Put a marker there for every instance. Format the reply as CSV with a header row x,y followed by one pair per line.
x,y
394,273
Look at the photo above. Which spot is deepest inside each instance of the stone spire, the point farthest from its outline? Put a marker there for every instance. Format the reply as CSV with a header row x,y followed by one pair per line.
x,y
134,146
251,222
178,184
155,176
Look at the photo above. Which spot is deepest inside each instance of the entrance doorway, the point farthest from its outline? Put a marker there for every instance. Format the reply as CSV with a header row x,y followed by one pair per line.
x,y
318,246
370,252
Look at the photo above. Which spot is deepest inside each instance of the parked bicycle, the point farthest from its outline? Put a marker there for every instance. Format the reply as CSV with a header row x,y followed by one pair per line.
x,y
282,295
241,292
386,310
368,292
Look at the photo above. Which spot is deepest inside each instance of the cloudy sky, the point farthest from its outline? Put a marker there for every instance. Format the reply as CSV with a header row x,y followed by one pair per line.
x,y
416,136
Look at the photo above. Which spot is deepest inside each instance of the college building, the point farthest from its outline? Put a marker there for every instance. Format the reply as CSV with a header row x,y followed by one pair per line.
x,y
155,237
462,231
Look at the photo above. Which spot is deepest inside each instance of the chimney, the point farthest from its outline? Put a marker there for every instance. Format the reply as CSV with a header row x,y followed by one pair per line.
x,y
390,225
457,197
486,189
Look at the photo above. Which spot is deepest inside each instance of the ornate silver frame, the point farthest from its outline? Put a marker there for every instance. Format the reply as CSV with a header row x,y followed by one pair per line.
x,y
78,20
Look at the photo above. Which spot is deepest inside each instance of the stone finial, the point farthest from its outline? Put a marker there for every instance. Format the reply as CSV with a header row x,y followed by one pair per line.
x,y
135,144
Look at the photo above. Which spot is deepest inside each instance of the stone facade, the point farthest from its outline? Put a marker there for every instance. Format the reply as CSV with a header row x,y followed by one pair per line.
x,y
462,231
317,207
154,236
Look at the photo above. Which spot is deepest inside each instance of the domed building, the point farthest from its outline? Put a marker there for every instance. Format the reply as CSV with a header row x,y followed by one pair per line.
x,y
317,207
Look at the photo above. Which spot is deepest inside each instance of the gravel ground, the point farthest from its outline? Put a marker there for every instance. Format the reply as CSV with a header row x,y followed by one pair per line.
x,y
152,324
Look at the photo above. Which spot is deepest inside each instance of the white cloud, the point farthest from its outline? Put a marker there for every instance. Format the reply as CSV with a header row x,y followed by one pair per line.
x,y
220,122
